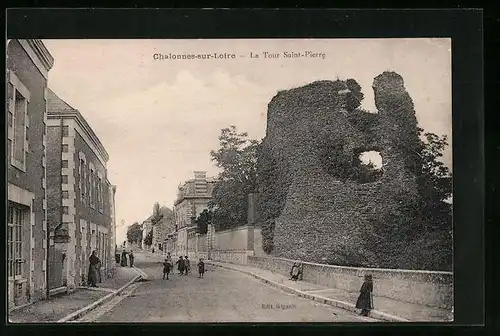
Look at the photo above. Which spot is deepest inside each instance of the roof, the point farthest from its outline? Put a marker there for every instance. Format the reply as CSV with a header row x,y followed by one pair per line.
x,y
166,211
57,108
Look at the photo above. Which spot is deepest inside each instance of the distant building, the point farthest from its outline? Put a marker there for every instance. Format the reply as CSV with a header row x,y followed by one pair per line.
x,y
159,230
192,198
28,63
80,204
146,227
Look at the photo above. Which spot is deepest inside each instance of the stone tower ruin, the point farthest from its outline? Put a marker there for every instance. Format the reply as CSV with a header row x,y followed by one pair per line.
x,y
311,199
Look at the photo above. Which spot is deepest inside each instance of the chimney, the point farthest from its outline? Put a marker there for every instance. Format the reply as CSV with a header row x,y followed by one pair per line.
x,y
200,183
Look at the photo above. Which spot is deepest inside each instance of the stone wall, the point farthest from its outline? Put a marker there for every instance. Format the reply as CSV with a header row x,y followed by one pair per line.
x,y
233,246
236,239
434,289
257,242
202,243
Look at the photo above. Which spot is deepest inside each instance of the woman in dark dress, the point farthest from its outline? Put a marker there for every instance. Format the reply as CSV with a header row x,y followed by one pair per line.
x,y
117,255
365,299
180,265
93,276
124,259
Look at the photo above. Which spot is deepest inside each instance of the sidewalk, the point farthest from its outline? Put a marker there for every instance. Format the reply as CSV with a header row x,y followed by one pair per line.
x,y
123,275
385,309
60,306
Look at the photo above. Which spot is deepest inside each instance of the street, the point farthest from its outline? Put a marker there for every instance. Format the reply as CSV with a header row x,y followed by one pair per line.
x,y
221,296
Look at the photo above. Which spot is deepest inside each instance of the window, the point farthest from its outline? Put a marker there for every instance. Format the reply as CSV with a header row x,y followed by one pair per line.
x,y
17,217
64,179
105,243
65,148
65,210
100,198
11,119
9,149
91,188
20,108
65,163
18,97
10,91
65,131
81,184
84,182
65,194
88,191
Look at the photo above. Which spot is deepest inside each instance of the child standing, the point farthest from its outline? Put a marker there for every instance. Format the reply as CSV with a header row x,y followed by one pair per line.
x,y
365,299
166,268
201,268
295,271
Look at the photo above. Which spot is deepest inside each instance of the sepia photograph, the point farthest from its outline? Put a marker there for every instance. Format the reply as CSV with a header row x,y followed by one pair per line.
x,y
229,180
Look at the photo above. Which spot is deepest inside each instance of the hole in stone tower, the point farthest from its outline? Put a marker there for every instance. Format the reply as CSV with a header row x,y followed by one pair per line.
x,y
370,166
371,158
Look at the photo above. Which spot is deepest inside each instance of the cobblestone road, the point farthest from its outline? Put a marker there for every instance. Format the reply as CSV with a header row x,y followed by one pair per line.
x,y
222,296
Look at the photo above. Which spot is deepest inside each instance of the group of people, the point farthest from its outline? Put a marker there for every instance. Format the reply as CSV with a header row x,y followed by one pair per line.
x,y
183,266
365,299
126,258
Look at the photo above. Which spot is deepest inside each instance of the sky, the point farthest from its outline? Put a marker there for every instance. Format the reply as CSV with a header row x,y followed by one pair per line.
x,y
159,118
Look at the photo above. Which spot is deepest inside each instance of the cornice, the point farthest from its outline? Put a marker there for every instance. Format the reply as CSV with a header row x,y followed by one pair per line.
x,y
43,53
82,123
39,54
191,197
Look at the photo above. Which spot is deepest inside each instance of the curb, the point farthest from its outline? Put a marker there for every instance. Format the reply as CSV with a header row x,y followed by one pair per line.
x,y
142,274
101,301
329,301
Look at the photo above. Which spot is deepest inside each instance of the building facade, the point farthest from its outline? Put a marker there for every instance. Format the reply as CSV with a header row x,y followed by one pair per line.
x,y
161,229
28,65
192,198
80,204
146,226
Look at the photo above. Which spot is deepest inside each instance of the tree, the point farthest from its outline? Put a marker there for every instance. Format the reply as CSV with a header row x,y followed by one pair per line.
x,y
134,233
421,226
355,96
237,157
157,214
148,241
435,183
203,220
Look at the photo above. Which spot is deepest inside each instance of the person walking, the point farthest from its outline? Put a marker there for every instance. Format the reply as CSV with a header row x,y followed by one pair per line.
x,y
365,299
131,259
187,265
167,265
169,259
117,255
93,275
201,268
124,259
180,265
